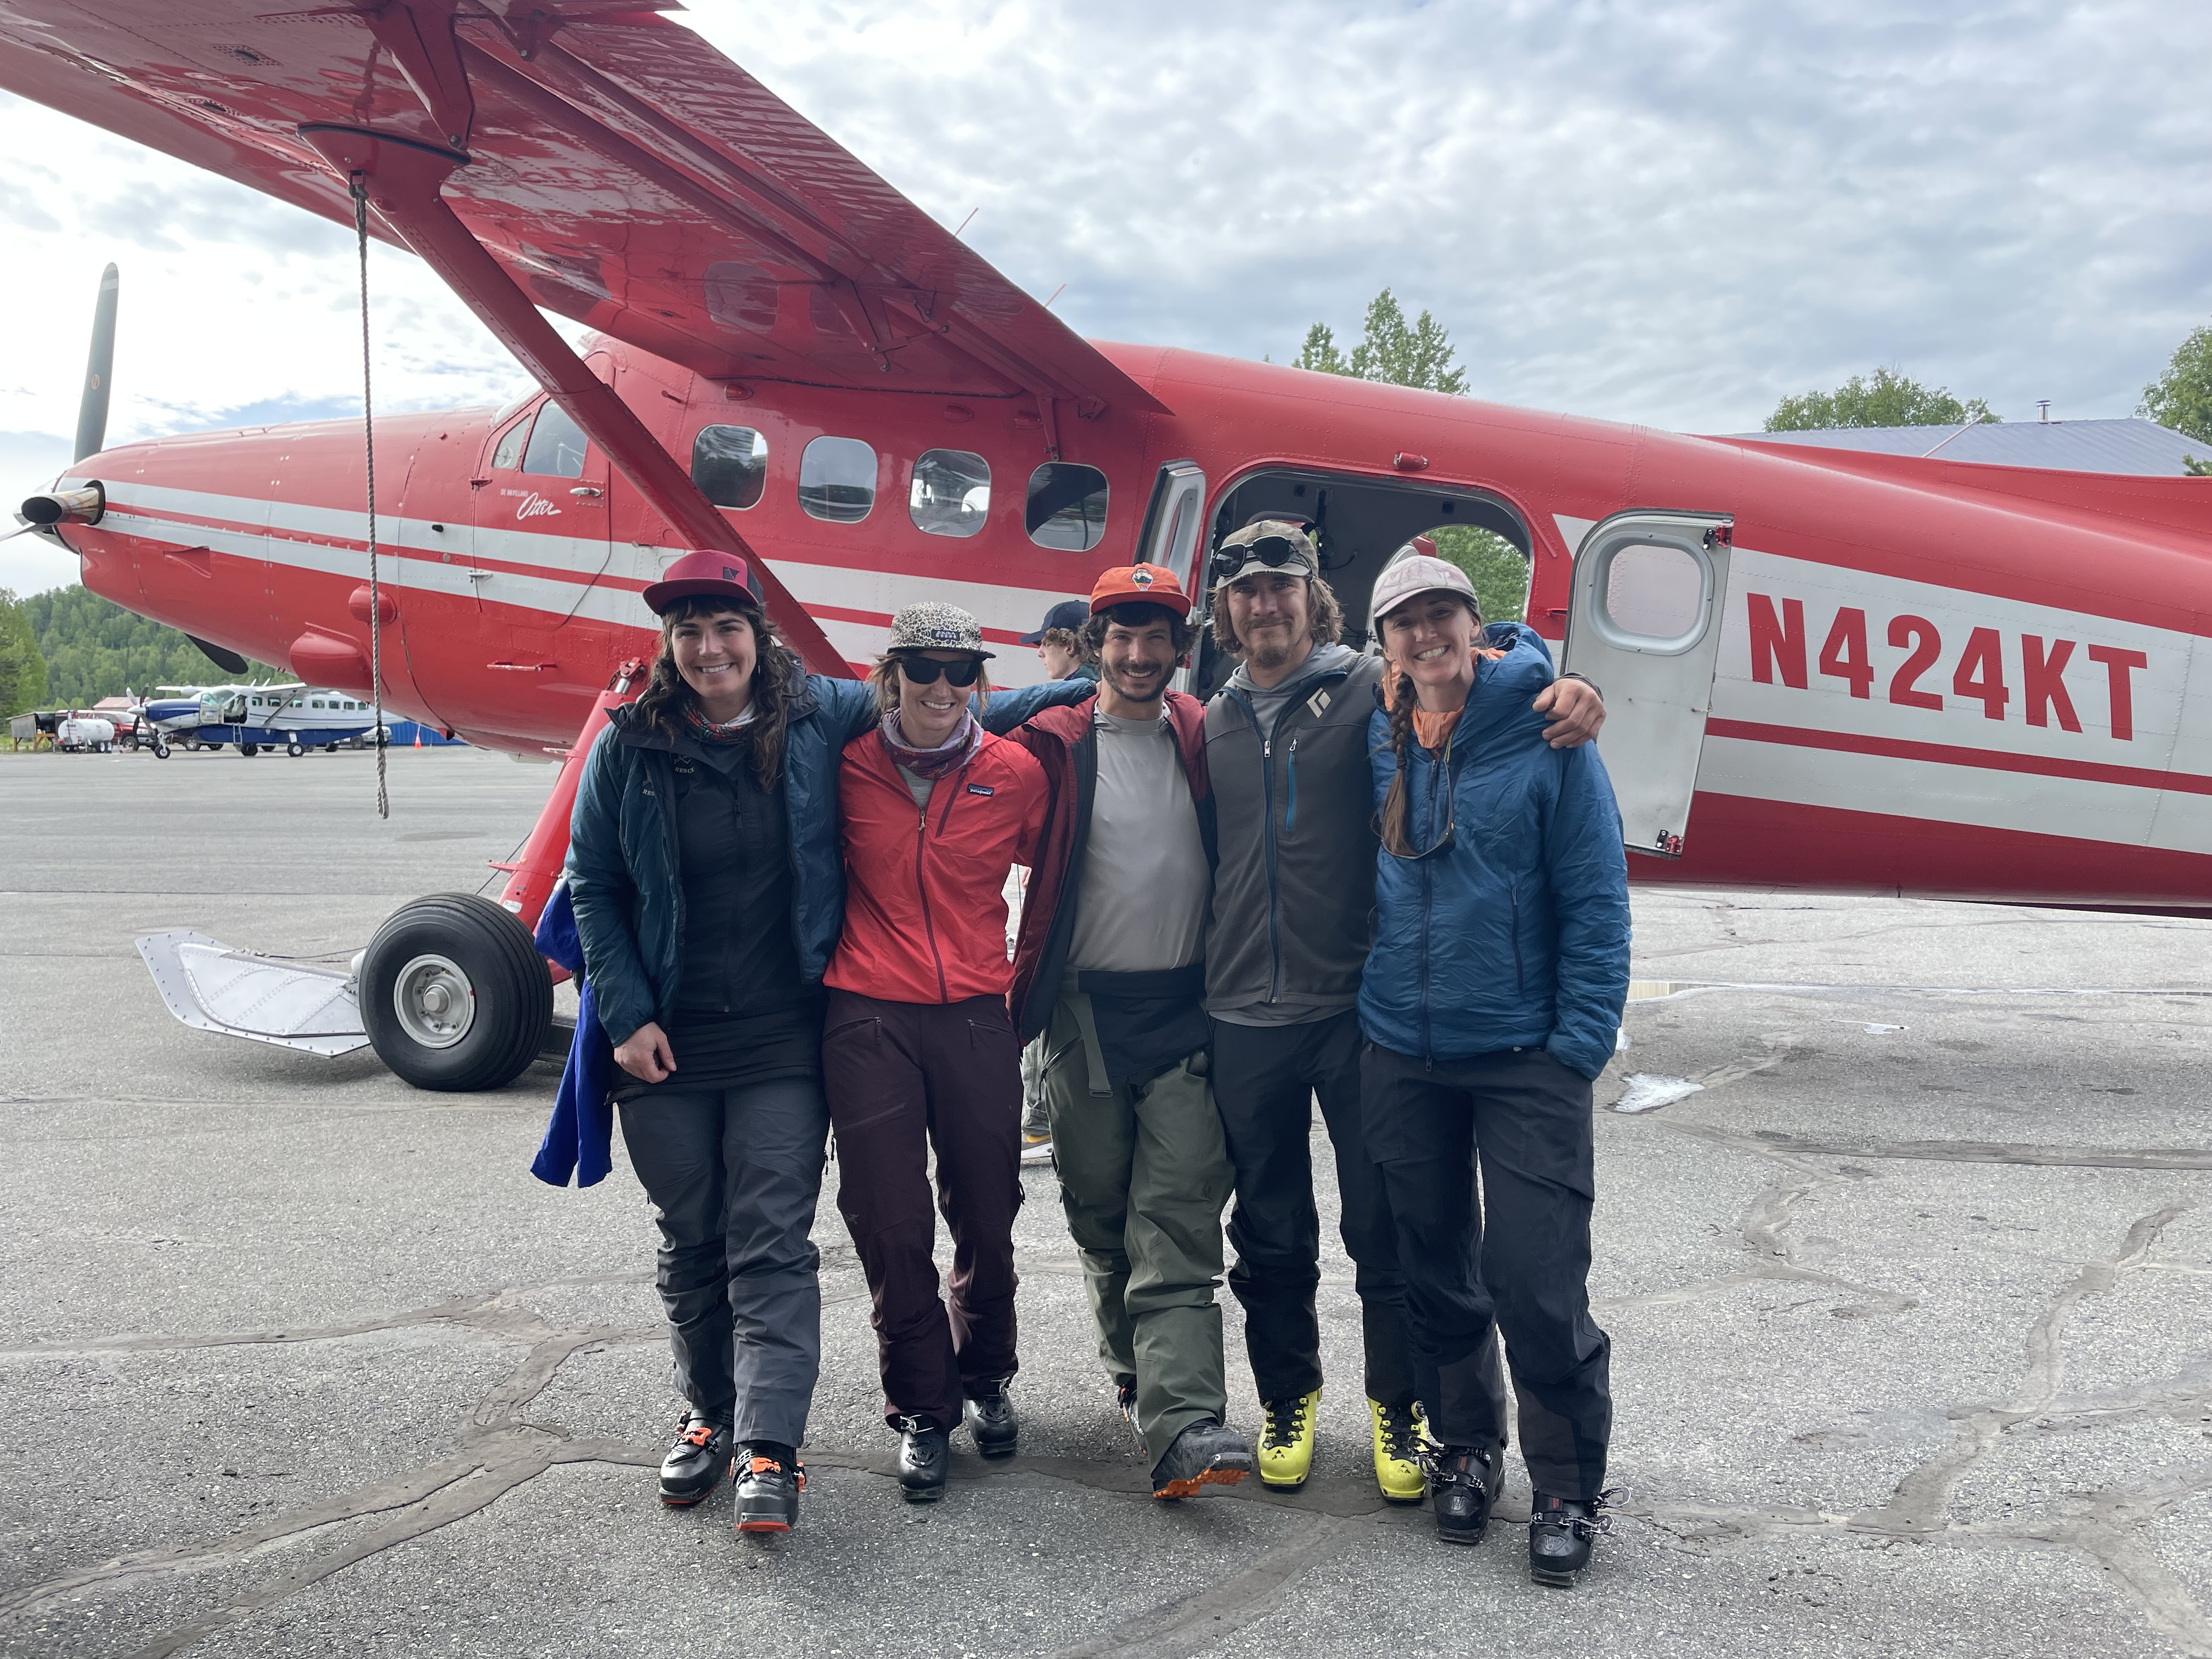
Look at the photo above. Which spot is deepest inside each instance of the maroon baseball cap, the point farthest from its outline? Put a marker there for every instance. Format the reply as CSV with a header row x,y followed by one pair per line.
x,y
726,576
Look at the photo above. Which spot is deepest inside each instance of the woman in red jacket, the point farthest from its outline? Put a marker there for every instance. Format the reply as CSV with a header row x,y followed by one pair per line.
x,y
918,1051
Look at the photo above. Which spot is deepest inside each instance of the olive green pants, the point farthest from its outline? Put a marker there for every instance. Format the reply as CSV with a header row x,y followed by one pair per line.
x,y
1144,1175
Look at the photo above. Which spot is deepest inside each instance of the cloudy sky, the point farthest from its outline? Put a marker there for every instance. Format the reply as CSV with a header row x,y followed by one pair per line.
x,y
1672,214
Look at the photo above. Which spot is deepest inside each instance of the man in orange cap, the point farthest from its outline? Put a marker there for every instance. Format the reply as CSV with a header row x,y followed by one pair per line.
x,y
1108,967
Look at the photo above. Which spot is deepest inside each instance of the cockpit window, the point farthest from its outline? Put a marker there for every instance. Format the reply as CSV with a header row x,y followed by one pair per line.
x,y
508,455
730,465
837,480
951,493
1066,506
557,445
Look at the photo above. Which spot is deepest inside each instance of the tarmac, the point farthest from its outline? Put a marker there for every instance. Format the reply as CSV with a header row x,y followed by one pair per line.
x,y
1910,1302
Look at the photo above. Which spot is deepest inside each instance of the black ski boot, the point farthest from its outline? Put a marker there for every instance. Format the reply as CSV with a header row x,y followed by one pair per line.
x,y
1464,1480
695,1461
769,1478
990,1417
1207,1453
1559,1534
924,1459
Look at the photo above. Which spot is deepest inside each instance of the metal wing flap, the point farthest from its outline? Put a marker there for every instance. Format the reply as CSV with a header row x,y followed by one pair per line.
x,y
626,174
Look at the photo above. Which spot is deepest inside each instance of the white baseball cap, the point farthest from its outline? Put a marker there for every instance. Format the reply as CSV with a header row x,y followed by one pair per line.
x,y
1416,575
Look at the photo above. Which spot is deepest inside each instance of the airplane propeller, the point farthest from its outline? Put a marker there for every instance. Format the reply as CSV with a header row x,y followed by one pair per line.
x,y
85,505
100,371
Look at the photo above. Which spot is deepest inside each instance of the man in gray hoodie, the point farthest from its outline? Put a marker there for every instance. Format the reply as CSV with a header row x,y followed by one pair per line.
x,y
1293,894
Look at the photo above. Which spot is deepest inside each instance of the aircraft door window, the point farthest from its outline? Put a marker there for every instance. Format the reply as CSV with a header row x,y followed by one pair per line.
x,y
1654,596
557,445
951,493
730,465
837,480
508,455
1066,506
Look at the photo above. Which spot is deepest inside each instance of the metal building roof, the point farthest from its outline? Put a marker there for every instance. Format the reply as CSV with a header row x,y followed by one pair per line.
x,y
2141,448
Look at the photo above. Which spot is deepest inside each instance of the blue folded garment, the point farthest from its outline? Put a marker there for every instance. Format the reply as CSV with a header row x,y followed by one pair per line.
x,y
580,1139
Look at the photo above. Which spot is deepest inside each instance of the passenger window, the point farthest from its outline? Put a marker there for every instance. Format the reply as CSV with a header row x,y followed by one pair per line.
x,y
1066,506
556,446
1654,594
508,455
730,465
837,480
951,493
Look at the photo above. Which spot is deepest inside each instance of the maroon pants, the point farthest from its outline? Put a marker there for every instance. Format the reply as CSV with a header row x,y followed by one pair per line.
x,y
903,1078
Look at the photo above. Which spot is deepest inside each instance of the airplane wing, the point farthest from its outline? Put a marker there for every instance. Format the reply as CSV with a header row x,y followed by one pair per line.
x,y
624,173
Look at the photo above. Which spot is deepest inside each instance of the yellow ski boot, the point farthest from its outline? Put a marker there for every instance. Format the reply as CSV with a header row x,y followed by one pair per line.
x,y
1287,1440
1401,1431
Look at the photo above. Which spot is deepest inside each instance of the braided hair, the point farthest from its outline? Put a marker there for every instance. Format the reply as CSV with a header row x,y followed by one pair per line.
x,y
1402,701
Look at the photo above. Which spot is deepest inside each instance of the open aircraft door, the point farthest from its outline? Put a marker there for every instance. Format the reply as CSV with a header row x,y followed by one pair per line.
x,y
1644,624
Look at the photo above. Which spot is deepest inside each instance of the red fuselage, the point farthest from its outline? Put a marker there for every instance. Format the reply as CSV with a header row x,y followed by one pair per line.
x,y
1936,679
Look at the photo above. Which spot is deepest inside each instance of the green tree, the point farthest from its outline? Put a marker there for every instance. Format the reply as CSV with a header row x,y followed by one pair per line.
x,y
1499,569
94,649
1888,398
2181,398
1416,354
22,670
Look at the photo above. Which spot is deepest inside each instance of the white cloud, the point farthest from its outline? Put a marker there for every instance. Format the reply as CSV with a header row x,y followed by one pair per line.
x,y
1673,214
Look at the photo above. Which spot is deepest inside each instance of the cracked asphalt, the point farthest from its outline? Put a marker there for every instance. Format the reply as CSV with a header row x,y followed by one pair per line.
x,y
1912,1305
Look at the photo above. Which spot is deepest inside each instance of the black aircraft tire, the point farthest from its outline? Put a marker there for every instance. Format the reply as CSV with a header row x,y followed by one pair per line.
x,y
161,750
249,750
448,947
293,749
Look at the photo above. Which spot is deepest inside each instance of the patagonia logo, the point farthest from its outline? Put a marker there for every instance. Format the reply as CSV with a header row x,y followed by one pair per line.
x,y
979,789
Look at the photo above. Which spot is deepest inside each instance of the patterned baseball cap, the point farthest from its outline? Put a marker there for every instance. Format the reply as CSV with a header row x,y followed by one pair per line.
x,y
1288,550
931,626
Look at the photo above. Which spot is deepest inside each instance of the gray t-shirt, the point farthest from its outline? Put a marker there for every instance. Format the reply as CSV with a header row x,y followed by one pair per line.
x,y
1140,906
1267,707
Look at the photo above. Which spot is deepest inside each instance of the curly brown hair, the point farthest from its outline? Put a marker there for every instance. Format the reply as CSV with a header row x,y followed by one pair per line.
x,y
1324,617
1137,613
777,677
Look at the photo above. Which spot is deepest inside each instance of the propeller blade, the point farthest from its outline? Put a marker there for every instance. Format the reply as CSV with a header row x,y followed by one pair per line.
x,y
99,370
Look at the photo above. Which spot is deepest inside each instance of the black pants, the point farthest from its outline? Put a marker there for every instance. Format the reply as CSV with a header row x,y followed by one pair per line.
x,y
1265,1078
1515,1260
904,1078
733,1175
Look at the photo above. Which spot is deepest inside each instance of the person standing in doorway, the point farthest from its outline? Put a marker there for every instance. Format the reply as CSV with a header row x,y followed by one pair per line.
x,y
1286,745
919,1052
1107,969
1490,1004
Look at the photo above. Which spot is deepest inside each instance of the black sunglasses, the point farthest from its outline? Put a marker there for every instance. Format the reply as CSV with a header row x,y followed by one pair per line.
x,y
1273,551
924,671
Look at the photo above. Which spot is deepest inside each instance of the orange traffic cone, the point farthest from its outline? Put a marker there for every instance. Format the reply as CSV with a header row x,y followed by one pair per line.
x,y
418,735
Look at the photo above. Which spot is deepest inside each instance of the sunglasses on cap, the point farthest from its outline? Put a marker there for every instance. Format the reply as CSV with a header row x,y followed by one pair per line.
x,y
1273,551
924,671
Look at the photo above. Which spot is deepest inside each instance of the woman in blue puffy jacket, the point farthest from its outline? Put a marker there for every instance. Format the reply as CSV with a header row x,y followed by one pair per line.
x,y
1491,1003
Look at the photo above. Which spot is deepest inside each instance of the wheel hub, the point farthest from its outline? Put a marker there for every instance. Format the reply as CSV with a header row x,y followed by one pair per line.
x,y
433,1000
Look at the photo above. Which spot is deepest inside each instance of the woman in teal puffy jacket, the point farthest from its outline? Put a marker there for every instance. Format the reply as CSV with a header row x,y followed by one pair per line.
x,y
1491,1002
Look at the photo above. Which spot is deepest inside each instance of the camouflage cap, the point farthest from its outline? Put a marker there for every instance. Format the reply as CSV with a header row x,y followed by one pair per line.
x,y
932,627
1263,545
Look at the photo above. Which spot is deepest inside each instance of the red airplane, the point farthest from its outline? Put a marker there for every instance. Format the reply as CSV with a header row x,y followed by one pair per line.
x,y
1854,672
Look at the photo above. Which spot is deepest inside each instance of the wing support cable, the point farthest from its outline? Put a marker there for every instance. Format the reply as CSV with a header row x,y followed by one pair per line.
x,y
358,188
402,178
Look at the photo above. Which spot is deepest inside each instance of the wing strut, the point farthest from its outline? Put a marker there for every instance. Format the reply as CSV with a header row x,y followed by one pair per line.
x,y
404,177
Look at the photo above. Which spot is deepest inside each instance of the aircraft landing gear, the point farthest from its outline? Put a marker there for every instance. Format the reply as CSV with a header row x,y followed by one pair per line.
x,y
454,994
160,749
248,749
293,749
